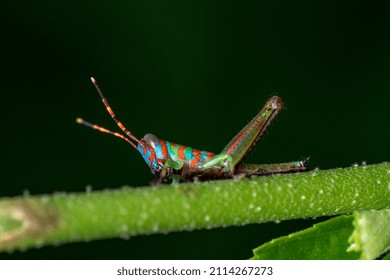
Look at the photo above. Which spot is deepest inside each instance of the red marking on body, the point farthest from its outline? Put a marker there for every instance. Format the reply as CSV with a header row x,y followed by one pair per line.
x,y
195,152
181,154
164,149
194,161
211,155
152,157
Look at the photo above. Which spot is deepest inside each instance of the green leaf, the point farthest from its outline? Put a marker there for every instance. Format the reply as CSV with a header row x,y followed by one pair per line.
x,y
371,236
326,240
363,235
386,257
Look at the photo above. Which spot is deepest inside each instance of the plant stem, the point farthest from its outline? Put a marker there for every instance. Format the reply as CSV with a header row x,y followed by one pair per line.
x,y
61,218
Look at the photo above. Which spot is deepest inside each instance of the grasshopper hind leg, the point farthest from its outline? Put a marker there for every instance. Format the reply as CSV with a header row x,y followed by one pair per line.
x,y
269,169
240,146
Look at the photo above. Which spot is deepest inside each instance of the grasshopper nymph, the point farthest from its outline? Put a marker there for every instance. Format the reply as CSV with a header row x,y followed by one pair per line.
x,y
170,161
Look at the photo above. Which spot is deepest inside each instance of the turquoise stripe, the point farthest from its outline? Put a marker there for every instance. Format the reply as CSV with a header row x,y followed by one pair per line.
x,y
158,151
169,149
188,153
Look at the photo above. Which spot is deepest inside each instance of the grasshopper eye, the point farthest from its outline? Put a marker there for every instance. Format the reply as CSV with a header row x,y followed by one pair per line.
x,y
152,140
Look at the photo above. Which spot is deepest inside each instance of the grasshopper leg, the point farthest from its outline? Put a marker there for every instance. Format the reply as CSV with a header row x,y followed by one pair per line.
x,y
240,146
225,161
167,170
219,167
268,169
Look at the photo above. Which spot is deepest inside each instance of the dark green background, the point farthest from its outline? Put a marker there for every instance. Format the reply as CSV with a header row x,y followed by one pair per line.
x,y
193,72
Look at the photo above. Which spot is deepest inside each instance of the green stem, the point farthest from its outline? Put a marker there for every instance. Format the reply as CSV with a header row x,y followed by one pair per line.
x,y
61,218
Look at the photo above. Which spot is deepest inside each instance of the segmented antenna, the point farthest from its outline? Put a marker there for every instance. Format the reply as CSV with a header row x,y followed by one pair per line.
x,y
111,112
102,129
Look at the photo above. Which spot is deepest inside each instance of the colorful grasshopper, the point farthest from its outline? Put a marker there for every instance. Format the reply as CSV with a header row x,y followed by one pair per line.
x,y
170,161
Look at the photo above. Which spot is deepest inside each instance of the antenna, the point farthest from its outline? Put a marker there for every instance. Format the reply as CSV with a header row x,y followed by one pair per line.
x,y
111,112
102,129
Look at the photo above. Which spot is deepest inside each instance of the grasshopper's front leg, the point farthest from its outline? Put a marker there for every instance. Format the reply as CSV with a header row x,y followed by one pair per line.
x,y
167,172
222,161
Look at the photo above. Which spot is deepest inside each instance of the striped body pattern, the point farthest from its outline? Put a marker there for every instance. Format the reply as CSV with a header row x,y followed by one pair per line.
x,y
155,158
173,162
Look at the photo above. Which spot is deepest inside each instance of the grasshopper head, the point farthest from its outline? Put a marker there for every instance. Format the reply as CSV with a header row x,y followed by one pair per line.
x,y
147,148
